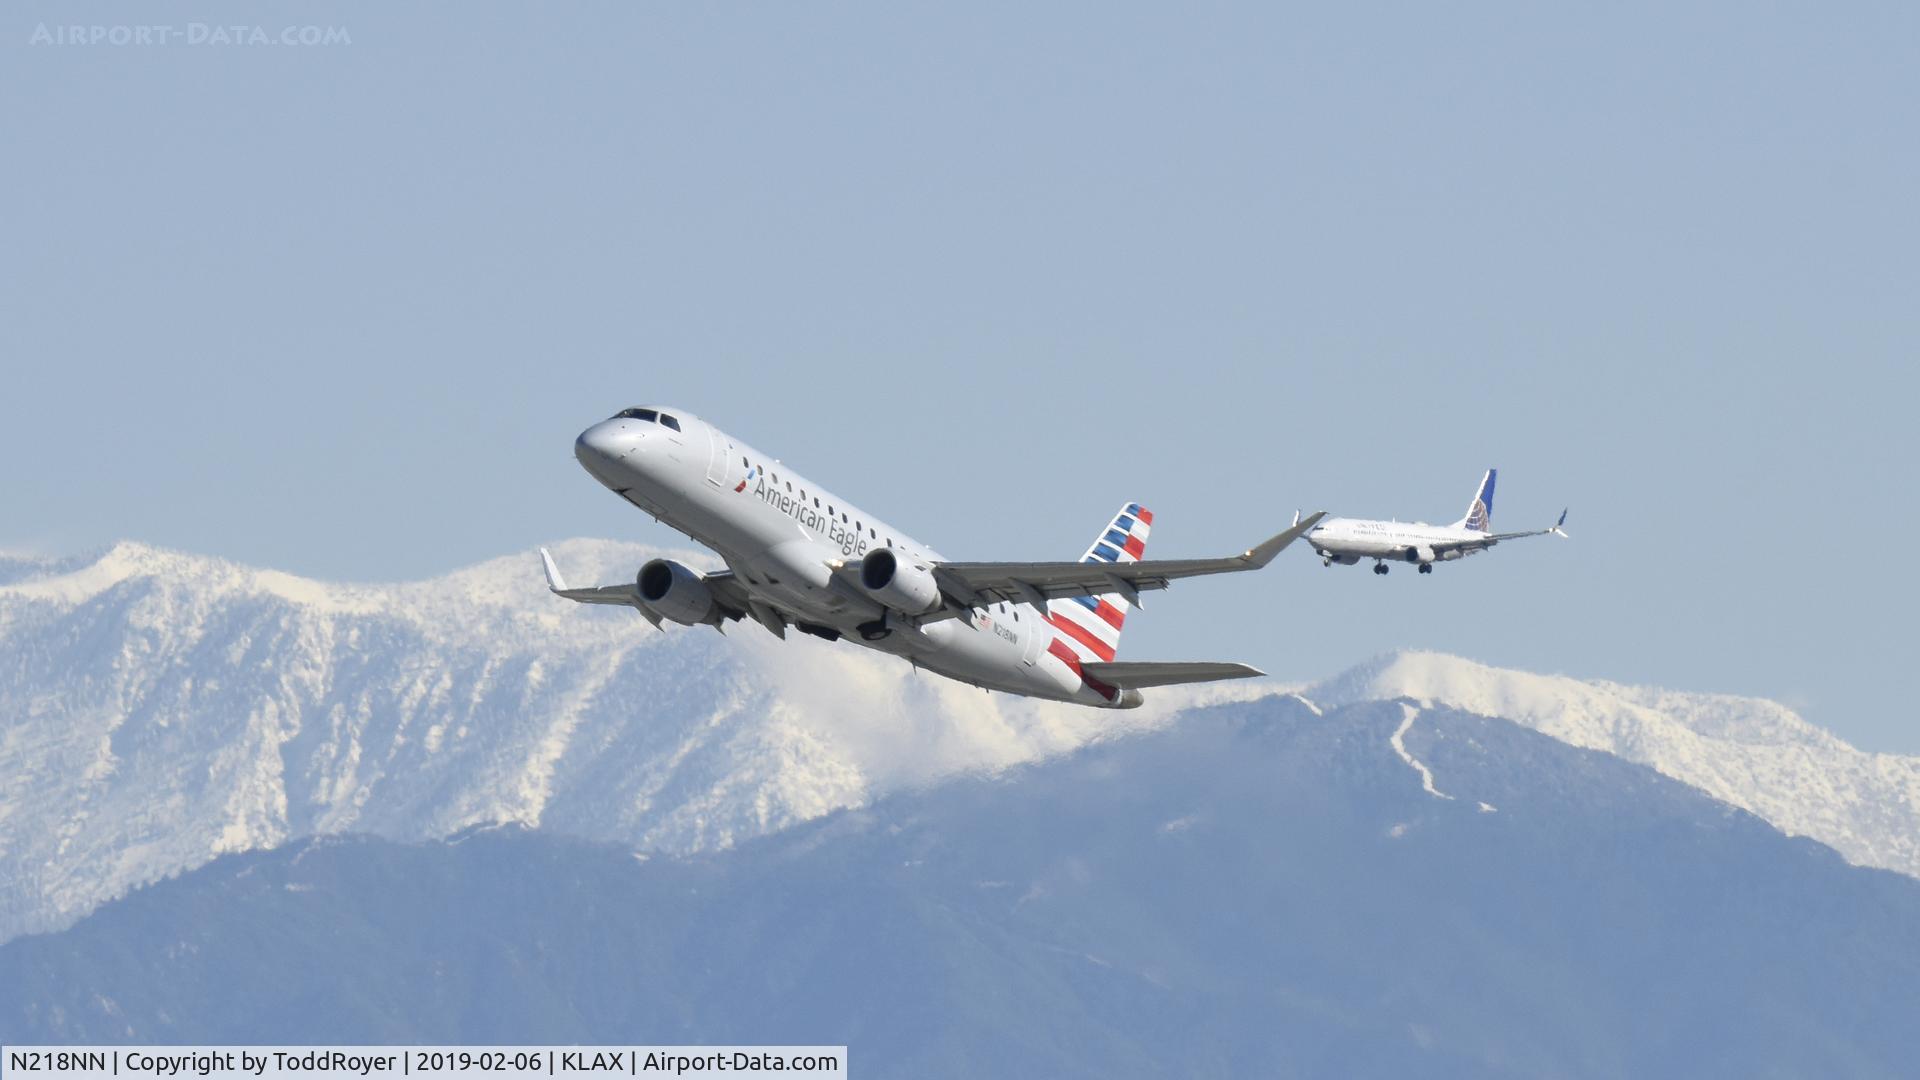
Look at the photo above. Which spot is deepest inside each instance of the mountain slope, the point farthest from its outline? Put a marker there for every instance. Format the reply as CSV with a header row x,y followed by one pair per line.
x,y
158,709
161,708
1258,890
1756,754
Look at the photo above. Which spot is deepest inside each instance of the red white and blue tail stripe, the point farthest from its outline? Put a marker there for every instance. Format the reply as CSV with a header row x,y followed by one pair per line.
x,y
1087,628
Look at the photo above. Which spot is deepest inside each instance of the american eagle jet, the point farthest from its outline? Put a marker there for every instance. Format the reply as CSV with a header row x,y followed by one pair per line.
x,y
1348,540
798,555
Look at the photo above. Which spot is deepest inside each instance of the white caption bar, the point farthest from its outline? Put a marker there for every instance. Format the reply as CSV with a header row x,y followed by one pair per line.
x,y
423,1062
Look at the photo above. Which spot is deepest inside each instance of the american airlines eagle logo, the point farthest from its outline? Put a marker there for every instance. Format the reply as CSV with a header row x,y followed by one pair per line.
x,y
751,475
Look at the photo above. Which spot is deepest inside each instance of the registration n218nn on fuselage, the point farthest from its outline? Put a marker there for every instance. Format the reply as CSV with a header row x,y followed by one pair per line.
x,y
799,556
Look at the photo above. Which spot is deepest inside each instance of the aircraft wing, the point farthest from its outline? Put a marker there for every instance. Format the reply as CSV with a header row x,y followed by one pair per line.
x,y
730,591
1124,674
1555,529
976,584
727,589
1491,539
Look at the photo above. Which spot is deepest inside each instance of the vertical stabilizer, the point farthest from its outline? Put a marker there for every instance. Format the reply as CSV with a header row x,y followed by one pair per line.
x,y
1480,511
1089,626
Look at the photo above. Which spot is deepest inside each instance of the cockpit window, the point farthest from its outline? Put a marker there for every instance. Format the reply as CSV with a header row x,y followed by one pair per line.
x,y
670,421
637,414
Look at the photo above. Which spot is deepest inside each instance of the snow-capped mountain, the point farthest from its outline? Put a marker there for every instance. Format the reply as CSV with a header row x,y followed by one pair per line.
x,y
161,708
158,709
1255,890
1756,754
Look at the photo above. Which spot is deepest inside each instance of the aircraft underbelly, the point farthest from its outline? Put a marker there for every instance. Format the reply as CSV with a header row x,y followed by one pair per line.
x,y
980,656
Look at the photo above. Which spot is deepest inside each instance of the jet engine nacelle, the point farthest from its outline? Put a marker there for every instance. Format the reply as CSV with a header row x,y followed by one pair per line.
x,y
1422,554
900,585
675,591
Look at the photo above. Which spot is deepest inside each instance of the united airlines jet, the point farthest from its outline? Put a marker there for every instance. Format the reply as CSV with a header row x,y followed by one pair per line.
x,y
797,555
1348,540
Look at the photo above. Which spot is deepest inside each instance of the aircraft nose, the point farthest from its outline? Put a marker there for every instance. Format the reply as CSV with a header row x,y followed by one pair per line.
x,y
605,444
602,440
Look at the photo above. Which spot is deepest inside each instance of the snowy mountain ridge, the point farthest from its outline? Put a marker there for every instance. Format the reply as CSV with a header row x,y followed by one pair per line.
x,y
159,708
1756,754
1260,879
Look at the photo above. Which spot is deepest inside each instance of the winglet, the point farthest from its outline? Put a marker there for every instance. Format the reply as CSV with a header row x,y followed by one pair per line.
x,y
1264,553
1557,530
555,583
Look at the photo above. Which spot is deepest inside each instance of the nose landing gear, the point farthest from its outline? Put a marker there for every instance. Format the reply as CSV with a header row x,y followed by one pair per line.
x,y
1379,568
1426,568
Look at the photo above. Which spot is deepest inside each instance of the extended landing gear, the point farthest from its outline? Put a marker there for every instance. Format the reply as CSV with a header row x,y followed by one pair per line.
x,y
875,630
1426,568
1379,568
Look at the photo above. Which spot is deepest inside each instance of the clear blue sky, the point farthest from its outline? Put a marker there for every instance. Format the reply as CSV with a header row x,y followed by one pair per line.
x,y
991,270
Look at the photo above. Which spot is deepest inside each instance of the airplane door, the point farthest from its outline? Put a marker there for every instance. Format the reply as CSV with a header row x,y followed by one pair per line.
x,y
719,451
1035,630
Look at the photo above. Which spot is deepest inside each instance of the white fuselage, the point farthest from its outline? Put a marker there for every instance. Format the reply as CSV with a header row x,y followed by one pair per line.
x,y
783,536
1348,540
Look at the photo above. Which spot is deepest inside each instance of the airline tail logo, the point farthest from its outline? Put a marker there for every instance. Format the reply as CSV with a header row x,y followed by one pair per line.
x,y
1480,512
1087,628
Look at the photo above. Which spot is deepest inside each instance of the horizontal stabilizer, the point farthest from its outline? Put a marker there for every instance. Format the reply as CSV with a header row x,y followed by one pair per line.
x,y
1145,673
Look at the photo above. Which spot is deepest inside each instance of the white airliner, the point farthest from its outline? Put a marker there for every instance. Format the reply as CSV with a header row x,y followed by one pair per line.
x,y
798,555
1348,540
